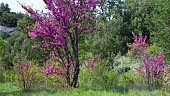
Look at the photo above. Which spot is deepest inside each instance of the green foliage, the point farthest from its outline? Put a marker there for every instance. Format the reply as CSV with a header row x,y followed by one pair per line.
x,y
152,49
20,42
26,21
110,41
132,80
140,16
161,30
2,48
9,76
8,18
99,77
4,7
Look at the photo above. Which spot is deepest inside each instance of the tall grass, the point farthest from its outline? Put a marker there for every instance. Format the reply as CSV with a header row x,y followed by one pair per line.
x,y
7,89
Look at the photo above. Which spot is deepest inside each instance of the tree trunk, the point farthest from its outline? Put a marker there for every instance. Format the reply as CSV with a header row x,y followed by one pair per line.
x,y
76,73
69,60
76,66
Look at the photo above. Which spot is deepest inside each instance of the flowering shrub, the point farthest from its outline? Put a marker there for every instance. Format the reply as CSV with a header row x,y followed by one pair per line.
x,y
57,73
155,69
26,74
139,42
138,46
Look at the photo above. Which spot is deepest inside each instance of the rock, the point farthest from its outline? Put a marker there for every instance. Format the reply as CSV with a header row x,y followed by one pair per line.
x,y
7,29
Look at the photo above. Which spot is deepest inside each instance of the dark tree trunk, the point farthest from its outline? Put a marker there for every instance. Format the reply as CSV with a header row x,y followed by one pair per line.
x,y
76,69
76,73
69,60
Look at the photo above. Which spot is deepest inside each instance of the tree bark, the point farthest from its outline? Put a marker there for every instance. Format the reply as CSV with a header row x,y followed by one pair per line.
x,y
76,71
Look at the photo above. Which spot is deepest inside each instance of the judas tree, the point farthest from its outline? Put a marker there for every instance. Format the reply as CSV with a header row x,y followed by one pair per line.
x,y
61,28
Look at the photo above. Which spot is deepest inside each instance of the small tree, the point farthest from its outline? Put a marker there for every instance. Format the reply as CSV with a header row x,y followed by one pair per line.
x,y
61,26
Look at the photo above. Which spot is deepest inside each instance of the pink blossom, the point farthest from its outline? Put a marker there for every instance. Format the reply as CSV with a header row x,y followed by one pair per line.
x,y
98,57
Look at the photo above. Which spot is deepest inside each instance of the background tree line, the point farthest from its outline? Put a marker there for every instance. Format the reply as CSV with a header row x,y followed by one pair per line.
x,y
8,18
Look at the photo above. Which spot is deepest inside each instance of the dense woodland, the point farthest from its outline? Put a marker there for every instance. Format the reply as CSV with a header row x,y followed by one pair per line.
x,y
106,45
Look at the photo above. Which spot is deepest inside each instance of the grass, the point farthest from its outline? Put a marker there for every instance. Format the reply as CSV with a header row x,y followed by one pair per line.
x,y
7,89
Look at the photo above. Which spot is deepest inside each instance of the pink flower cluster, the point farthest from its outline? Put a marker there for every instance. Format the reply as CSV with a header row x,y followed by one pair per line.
x,y
91,62
23,65
0,65
139,42
50,69
154,68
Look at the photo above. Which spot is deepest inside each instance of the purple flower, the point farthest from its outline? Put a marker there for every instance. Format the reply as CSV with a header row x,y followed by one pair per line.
x,y
98,57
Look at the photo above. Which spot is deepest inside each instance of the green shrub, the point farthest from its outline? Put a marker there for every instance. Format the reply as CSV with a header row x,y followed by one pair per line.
x,y
132,80
99,77
9,75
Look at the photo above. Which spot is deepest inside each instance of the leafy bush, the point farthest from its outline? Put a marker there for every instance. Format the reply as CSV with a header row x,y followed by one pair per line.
x,y
55,75
26,74
9,75
132,80
6,75
97,77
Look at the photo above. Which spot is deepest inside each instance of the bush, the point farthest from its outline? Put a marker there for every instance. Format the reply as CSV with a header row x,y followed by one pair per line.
x,y
26,74
97,77
9,75
132,80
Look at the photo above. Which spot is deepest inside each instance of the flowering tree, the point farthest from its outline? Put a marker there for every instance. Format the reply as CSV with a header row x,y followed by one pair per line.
x,y
61,26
